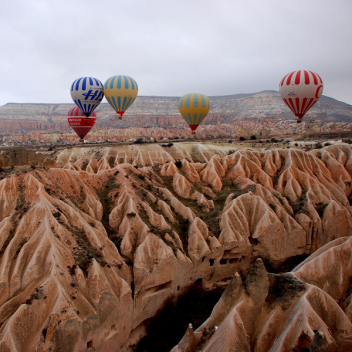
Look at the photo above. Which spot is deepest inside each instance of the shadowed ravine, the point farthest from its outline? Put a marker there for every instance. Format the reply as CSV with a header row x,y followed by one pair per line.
x,y
96,250
170,324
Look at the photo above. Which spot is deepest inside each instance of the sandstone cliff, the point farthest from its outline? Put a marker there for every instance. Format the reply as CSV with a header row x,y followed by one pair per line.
x,y
94,244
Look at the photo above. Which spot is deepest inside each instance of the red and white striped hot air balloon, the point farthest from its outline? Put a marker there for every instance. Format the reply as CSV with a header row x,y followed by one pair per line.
x,y
80,123
300,90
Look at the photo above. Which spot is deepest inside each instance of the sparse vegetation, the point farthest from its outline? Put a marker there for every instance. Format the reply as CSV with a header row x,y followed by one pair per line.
x,y
111,161
283,287
138,141
86,252
84,165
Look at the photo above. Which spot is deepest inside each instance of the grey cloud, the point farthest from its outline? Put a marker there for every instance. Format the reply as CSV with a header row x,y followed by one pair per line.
x,y
172,47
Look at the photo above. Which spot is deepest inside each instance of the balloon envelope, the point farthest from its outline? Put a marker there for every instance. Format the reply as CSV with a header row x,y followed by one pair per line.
x,y
300,90
120,91
194,107
87,93
79,123
75,111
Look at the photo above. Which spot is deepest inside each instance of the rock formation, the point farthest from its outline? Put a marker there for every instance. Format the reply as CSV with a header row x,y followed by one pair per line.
x,y
276,312
94,241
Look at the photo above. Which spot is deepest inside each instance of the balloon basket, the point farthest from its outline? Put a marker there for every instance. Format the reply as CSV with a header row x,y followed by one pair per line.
x,y
81,140
299,121
120,118
193,133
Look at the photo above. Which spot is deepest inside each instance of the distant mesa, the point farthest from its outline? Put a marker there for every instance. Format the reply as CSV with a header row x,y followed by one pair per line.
x,y
162,112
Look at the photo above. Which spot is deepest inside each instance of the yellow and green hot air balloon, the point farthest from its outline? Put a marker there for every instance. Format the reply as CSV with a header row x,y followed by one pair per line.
x,y
194,107
120,91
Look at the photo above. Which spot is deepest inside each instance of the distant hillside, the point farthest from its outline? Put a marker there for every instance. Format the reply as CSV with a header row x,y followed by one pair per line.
x,y
163,112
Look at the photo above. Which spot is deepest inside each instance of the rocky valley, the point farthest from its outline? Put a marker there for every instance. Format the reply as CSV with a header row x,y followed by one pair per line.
x,y
95,242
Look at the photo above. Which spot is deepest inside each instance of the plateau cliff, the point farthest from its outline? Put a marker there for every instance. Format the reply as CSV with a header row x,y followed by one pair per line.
x,y
154,112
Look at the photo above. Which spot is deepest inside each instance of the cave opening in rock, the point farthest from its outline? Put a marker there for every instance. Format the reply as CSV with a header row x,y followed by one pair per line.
x,y
253,241
223,261
169,325
44,332
199,281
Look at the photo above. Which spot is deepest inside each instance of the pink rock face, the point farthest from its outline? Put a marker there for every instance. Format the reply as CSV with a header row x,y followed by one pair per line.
x,y
93,247
276,312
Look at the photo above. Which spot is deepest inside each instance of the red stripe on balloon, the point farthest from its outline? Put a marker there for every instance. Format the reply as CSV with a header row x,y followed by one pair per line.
x,y
77,112
298,77
304,101
297,105
311,103
321,81
317,92
314,77
307,106
315,100
282,81
285,101
292,107
289,78
306,77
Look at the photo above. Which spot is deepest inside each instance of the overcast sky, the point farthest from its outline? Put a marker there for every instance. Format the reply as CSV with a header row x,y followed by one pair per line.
x,y
172,47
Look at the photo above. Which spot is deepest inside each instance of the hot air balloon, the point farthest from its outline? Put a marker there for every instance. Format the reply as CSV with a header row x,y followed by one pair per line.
x,y
79,123
194,107
120,91
300,90
87,93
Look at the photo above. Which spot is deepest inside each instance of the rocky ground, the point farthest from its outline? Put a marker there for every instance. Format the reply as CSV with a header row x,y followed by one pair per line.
x,y
95,241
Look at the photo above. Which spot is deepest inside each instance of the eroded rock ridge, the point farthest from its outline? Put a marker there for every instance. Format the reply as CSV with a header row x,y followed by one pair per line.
x,y
91,248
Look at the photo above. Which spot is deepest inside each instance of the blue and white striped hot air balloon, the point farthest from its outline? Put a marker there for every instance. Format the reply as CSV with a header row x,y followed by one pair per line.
x,y
87,93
